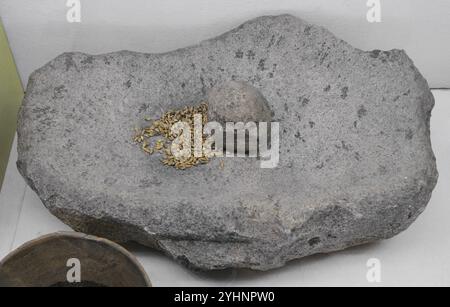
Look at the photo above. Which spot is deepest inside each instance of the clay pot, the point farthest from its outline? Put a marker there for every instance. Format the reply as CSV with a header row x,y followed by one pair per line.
x,y
49,260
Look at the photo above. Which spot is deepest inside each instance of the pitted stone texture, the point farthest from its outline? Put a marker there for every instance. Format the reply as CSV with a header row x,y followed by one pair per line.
x,y
356,163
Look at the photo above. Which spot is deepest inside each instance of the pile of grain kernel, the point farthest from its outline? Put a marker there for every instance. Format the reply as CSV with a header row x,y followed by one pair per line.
x,y
158,138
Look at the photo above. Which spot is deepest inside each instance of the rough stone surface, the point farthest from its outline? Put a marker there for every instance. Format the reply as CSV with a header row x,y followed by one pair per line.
x,y
235,101
356,163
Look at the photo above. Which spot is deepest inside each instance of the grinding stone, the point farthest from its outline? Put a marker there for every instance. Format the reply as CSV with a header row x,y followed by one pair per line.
x,y
356,163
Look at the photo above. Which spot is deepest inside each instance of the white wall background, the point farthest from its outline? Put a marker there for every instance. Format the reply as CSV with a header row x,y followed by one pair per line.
x,y
38,30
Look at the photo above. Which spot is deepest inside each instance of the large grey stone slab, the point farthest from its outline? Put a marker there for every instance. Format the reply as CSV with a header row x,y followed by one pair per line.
x,y
356,163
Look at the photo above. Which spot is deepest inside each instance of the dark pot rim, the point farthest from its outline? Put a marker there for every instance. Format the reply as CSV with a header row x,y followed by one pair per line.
x,y
77,235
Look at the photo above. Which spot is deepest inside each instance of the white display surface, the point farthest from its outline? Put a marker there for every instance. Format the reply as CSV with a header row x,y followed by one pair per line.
x,y
420,256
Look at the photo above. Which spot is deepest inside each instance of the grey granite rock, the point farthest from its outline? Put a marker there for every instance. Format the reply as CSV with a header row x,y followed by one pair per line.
x,y
356,163
237,101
